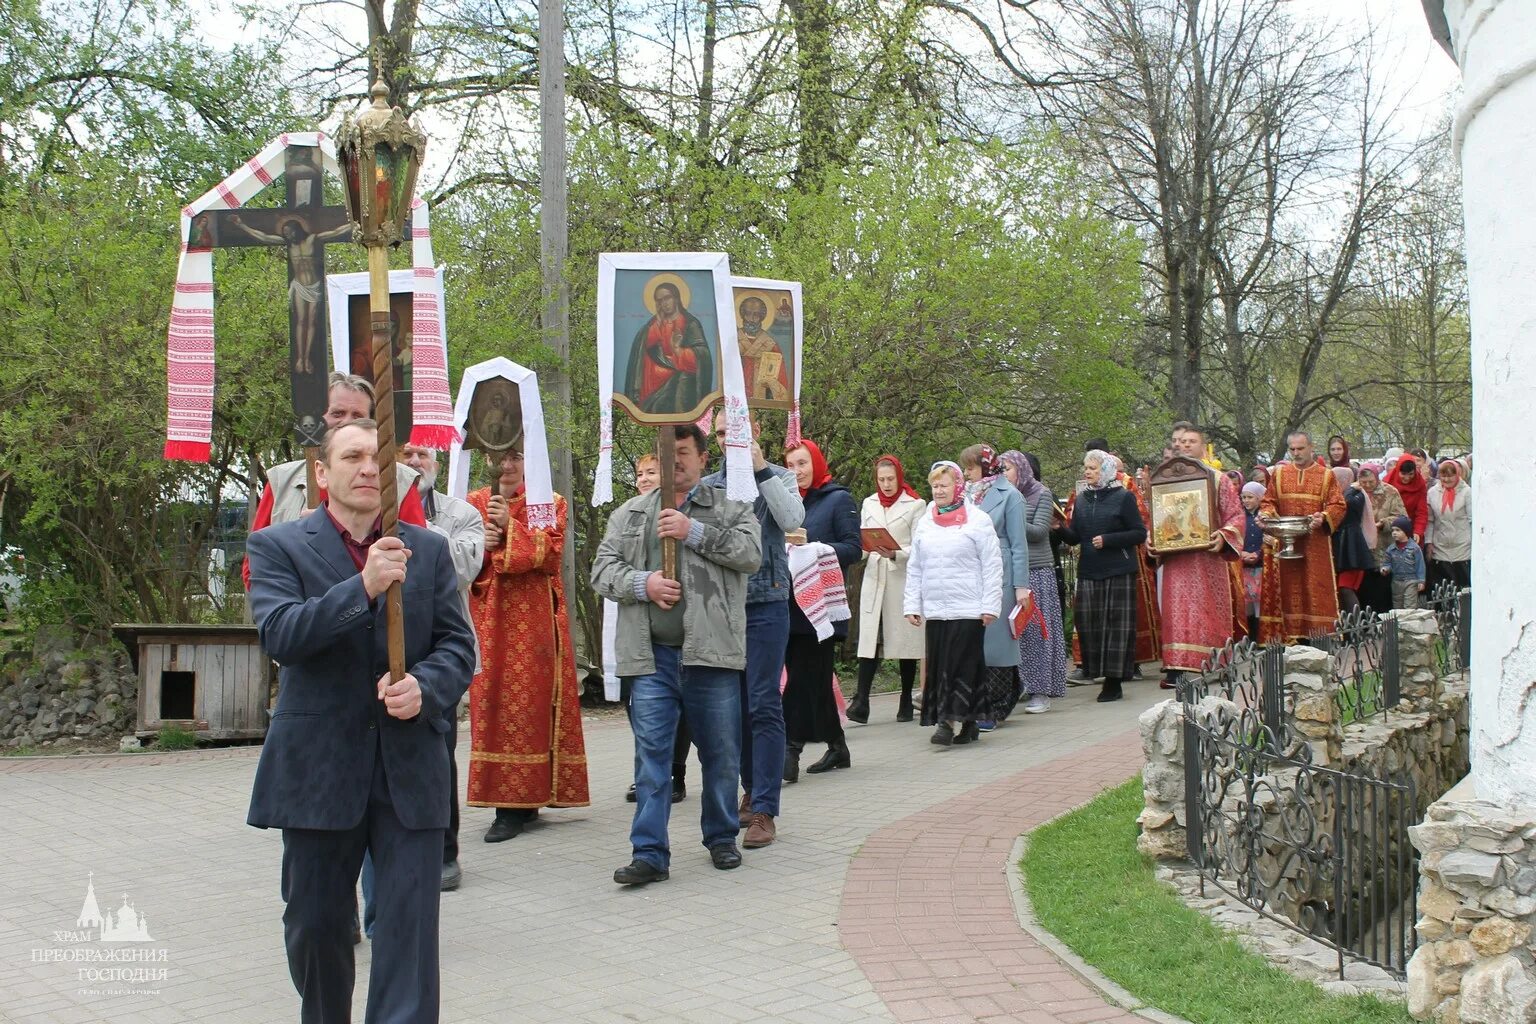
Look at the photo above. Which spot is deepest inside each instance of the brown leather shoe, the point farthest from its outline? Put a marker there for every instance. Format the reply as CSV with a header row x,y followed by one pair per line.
x,y
744,812
760,833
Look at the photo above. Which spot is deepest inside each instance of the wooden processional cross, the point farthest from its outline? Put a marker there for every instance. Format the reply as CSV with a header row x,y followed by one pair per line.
x,y
304,226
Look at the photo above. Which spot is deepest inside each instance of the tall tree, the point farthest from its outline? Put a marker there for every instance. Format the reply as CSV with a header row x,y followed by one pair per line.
x,y
113,115
1254,152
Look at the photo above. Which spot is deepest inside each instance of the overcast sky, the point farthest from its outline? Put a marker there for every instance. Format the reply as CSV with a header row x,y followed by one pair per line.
x,y
1426,72
1413,64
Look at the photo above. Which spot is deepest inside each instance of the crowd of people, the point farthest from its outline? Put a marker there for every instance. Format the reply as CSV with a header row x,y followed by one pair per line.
x,y
720,644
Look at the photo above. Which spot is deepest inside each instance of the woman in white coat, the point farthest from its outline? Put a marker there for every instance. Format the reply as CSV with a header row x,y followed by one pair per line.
x,y
1448,540
883,629
954,590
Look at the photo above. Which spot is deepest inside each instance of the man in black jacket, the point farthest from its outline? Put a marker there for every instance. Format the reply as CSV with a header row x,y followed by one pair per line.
x,y
353,761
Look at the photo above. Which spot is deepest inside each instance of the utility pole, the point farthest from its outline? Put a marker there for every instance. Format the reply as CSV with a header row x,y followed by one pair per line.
x,y
552,252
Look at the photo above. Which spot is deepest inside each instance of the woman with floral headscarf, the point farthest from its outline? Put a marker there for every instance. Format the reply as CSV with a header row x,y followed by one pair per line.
x,y
883,630
1448,540
1107,524
1042,655
1386,505
954,588
1354,542
988,488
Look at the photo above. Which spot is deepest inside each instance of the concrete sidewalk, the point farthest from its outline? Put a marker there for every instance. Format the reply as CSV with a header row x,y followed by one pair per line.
x,y
539,932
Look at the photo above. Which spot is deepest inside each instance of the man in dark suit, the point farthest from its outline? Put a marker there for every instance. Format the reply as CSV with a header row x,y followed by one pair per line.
x,y
354,762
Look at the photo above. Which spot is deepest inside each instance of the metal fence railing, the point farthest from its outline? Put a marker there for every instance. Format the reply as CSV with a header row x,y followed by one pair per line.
x,y
1453,612
1322,851
1364,665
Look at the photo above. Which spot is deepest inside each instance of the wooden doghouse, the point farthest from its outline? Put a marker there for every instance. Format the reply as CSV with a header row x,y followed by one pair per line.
x,y
214,681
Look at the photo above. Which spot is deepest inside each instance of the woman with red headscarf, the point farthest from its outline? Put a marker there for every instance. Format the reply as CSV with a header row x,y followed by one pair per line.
x,y
1408,480
810,709
883,629
1338,452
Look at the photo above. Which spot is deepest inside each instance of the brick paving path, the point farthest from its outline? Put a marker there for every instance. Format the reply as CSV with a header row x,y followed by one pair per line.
x,y
927,911
540,933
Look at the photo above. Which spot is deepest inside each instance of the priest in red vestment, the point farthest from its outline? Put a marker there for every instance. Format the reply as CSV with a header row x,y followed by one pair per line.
x,y
526,746
1195,607
1300,597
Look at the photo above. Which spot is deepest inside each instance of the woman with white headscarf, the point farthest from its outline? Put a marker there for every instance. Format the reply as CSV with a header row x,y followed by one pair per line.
x,y
1107,524
954,590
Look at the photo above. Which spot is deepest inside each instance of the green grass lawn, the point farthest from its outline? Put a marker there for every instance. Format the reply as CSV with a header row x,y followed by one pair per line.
x,y
1093,890
1352,700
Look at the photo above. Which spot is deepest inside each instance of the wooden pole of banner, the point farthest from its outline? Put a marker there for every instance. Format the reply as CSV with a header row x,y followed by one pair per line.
x,y
384,412
553,245
666,454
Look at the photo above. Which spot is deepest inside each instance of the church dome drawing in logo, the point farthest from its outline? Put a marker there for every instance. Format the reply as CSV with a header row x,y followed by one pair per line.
x,y
125,924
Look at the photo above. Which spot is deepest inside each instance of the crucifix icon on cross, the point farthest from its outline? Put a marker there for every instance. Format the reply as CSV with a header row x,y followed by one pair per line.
x,y
304,226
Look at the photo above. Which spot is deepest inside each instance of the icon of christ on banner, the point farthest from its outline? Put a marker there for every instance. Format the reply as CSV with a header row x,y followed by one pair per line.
x,y
671,369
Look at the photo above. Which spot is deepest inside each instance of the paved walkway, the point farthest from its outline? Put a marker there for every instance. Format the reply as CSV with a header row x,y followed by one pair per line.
x,y
884,899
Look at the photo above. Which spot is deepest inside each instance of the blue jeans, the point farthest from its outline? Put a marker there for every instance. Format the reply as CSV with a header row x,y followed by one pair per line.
x,y
762,726
711,698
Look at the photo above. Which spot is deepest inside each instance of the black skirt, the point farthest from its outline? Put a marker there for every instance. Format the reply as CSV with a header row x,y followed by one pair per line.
x,y
1000,691
952,685
1105,618
810,709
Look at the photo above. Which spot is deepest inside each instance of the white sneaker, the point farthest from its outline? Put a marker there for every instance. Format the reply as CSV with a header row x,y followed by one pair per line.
x,y
1037,705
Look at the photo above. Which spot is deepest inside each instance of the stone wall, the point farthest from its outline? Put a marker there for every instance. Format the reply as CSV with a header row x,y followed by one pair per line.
x,y
1477,906
1424,738
57,693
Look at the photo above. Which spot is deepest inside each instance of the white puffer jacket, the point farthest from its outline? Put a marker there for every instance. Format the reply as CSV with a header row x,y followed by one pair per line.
x,y
954,572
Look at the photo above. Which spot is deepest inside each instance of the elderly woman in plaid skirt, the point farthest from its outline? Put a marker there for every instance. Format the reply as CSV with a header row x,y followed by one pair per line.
x,y
1107,523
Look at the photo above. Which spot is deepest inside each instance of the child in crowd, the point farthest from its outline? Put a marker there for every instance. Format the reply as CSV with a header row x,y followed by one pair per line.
x,y
1253,555
1405,564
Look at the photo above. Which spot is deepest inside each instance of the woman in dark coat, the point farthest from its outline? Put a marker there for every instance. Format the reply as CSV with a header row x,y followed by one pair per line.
x,y
810,709
1354,553
1108,525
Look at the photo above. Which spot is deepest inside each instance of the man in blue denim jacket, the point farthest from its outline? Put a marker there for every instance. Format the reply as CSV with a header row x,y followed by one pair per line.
x,y
778,509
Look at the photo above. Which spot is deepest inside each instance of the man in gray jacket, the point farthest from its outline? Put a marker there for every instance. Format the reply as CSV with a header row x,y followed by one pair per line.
x,y
681,646
778,508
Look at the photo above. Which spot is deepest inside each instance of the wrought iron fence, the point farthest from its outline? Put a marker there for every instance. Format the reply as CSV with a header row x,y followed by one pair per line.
x,y
1253,679
1453,612
1318,850
1364,664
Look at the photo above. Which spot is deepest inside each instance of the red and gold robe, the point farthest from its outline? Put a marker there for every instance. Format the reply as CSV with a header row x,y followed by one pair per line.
x,y
1148,632
1196,609
1300,597
664,342
525,742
